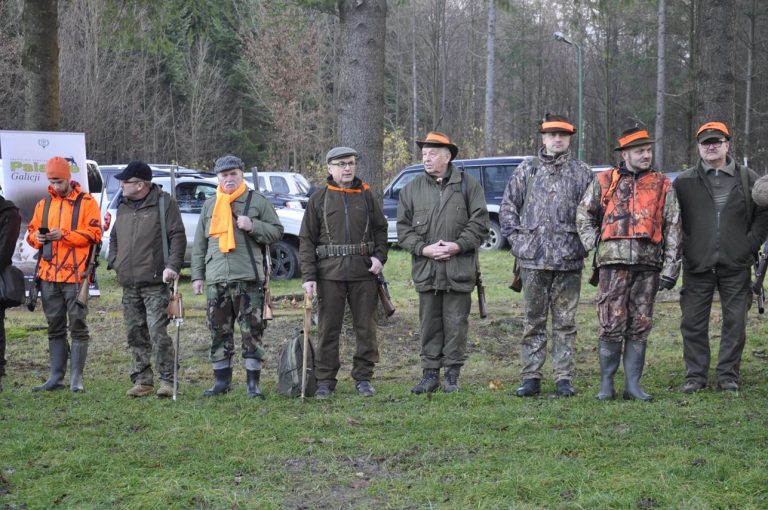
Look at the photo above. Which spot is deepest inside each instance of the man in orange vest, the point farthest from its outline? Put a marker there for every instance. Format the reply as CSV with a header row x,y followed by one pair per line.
x,y
65,228
631,217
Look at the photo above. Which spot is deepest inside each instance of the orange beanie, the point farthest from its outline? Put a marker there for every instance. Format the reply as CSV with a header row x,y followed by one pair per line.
x,y
57,168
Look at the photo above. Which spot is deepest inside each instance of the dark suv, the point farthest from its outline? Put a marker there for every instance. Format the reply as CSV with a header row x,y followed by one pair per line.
x,y
491,173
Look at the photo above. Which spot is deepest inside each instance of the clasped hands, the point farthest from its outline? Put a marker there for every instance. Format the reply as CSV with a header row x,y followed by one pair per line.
x,y
441,250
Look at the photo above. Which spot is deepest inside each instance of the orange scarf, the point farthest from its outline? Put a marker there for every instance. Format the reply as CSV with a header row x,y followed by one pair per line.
x,y
221,219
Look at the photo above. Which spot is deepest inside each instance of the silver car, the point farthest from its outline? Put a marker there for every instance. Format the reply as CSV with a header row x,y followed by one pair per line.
x,y
191,192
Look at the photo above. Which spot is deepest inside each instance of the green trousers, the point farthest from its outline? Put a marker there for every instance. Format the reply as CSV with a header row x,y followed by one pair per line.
x,y
444,328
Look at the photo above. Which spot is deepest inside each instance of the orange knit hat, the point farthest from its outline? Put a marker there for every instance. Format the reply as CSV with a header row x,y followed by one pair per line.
x,y
57,168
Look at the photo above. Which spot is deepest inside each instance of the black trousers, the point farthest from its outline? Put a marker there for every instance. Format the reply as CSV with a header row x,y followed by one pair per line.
x,y
696,305
2,341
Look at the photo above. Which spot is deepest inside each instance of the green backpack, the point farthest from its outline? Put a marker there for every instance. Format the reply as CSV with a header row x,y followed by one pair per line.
x,y
289,367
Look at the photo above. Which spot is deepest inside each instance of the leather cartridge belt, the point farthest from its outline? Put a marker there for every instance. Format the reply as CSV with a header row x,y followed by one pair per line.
x,y
344,250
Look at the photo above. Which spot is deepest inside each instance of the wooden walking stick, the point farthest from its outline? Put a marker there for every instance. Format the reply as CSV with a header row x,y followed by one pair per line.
x,y
305,348
175,312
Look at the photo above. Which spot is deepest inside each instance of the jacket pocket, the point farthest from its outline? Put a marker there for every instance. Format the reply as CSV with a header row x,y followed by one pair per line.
x,y
527,244
421,222
422,272
461,272
571,243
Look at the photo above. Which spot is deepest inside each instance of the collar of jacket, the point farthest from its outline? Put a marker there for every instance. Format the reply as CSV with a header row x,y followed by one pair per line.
x,y
729,168
557,159
451,177
150,199
74,190
357,186
623,170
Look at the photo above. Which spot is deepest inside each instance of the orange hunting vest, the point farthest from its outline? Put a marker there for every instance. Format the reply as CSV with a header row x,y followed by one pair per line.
x,y
633,208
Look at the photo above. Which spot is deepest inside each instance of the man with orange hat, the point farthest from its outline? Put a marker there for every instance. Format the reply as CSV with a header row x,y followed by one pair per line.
x,y
630,216
538,218
65,228
442,219
723,229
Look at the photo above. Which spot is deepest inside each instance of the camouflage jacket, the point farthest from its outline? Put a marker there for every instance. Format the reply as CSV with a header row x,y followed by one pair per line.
x,y
631,251
540,224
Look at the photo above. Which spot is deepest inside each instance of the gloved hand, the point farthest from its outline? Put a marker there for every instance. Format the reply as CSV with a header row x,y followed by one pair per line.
x,y
666,283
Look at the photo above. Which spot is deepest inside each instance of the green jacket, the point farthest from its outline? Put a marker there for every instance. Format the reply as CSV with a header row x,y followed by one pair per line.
x,y
135,244
726,239
353,217
429,212
213,266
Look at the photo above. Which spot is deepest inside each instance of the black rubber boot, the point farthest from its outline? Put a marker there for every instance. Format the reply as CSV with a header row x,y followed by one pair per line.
x,y
252,377
76,364
222,378
529,388
609,354
58,355
634,360
429,383
452,379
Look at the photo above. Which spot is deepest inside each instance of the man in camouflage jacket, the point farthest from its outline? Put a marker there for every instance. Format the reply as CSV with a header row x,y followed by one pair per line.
x,y
538,217
630,215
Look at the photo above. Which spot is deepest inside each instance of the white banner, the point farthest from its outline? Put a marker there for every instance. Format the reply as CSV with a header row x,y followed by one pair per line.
x,y
23,180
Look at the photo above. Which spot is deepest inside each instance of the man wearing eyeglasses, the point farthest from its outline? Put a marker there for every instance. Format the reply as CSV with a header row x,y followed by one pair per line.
x,y
137,254
343,247
722,230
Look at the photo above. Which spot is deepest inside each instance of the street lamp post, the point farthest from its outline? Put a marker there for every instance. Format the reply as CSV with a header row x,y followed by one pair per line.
x,y
559,36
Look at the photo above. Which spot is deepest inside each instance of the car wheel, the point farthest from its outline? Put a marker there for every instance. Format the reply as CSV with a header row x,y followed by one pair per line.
x,y
285,261
494,241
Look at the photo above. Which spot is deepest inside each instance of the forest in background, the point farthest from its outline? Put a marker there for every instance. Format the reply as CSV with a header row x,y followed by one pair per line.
x,y
190,80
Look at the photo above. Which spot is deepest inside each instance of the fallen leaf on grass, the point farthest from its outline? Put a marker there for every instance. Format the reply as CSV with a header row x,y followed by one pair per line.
x,y
307,440
760,354
326,440
495,384
698,462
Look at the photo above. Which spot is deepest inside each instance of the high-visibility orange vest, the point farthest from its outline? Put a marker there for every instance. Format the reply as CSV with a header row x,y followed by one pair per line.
x,y
633,207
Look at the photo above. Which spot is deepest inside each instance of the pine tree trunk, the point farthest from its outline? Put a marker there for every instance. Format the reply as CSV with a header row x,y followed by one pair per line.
x,y
716,86
40,60
361,84
660,86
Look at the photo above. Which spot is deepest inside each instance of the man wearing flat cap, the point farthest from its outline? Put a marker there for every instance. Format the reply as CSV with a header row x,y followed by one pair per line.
x,y
538,218
343,247
236,226
65,228
442,220
723,229
147,256
630,216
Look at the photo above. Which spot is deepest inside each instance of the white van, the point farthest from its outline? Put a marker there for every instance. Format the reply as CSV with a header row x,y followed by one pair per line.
x,y
291,183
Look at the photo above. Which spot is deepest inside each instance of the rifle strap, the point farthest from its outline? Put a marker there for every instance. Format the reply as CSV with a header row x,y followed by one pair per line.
x,y
744,174
248,241
75,211
466,204
163,227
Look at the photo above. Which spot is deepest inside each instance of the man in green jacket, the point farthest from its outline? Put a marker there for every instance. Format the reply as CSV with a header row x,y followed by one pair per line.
x,y
343,247
442,220
722,230
136,253
234,229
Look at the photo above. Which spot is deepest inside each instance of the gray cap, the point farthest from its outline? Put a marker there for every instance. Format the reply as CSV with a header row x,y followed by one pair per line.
x,y
339,152
228,162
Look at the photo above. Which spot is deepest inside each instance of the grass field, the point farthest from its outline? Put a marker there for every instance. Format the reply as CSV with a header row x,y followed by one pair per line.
x,y
480,448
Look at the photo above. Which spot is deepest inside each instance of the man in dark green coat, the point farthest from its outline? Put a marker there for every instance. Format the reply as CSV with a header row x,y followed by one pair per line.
x,y
722,230
442,220
343,247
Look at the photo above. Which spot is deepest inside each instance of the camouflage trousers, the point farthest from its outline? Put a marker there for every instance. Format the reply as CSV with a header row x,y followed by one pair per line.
x,y
230,301
146,326
625,303
545,291
60,307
